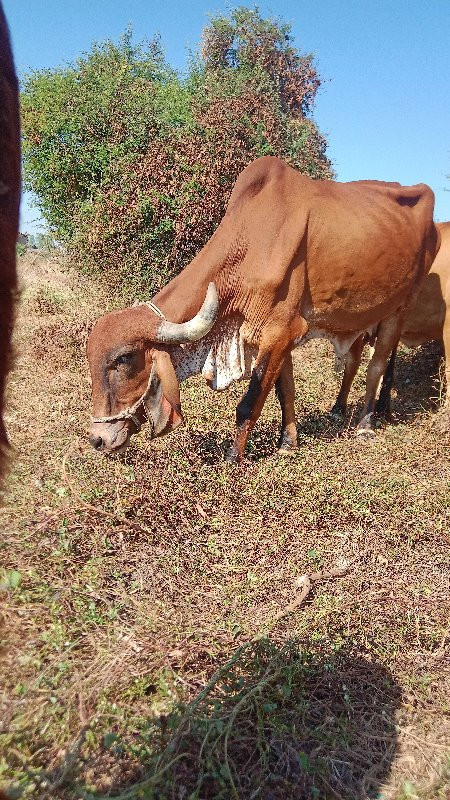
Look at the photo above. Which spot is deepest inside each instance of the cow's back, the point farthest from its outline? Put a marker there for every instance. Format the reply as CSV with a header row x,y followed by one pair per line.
x,y
363,246
369,246
426,320
9,207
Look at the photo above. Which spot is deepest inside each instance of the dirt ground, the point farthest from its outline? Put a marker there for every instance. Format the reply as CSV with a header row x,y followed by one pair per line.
x,y
151,644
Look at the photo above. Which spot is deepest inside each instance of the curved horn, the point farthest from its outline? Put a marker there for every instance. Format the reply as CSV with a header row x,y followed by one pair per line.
x,y
195,328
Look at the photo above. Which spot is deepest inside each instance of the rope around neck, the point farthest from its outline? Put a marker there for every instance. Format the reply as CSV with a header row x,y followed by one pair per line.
x,y
131,411
153,308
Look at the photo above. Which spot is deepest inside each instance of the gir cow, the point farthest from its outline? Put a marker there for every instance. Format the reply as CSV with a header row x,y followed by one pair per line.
x,y
9,210
427,321
292,259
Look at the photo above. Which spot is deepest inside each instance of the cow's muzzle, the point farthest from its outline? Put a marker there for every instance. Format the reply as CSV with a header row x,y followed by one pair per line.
x,y
111,437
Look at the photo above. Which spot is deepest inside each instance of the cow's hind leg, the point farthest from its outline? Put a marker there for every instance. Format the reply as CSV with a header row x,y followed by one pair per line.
x,y
388,335
383,404
444,418
352,362
285,390
446,338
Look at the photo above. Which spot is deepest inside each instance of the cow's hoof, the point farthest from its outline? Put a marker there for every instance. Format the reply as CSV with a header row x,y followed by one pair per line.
x,y
287,450
287,443
233,456
365,433
367,426
337,413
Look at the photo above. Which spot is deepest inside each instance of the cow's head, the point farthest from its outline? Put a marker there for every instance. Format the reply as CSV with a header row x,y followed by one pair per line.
x,y
133,378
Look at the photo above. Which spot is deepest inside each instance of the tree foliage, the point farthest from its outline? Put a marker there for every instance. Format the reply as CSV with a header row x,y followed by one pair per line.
x,y
133,165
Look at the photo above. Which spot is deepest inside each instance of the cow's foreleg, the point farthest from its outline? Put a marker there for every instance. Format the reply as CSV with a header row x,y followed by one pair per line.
x,y
352,362
285,390
388,335
264,376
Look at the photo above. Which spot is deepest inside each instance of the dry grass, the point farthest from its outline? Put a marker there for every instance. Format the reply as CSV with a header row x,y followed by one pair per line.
x,y
142,652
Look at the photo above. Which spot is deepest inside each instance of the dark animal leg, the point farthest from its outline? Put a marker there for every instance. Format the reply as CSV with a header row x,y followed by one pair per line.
x,y
352,362
388,335
383,404
285,391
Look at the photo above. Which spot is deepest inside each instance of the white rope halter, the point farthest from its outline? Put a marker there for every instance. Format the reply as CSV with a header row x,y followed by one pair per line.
x,y
153,308
131,411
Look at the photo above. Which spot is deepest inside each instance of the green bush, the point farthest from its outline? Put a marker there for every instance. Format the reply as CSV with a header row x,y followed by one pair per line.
x,y
133,165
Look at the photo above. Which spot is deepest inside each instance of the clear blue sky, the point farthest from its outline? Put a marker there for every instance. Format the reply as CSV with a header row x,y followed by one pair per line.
x,y
385,100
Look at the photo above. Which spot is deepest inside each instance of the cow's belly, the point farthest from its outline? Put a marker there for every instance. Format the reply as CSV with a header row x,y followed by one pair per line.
x,y
416,339
341,343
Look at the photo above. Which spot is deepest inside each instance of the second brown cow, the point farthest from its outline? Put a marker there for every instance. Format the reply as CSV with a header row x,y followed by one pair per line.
x,y
428,320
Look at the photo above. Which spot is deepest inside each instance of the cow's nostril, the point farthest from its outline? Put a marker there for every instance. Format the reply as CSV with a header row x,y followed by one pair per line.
x,y
96,441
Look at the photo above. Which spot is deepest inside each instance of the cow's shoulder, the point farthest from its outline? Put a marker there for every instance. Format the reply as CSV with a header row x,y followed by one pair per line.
x,y
444,229
441,264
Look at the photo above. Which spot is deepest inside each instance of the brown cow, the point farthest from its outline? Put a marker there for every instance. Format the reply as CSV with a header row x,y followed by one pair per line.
x,y
292,259
9,209
428,320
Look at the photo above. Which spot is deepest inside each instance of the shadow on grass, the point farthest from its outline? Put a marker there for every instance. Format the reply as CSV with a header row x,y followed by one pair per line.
x,y
417,380
273,723
212,448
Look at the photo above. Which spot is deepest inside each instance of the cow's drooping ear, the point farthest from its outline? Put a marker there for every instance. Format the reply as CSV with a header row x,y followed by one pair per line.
x,y
169,385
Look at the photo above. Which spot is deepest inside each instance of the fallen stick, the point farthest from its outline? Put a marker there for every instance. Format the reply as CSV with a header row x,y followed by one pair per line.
x,y
305,584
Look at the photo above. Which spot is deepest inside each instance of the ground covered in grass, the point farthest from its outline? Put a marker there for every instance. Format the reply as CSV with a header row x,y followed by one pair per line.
x,y
150,643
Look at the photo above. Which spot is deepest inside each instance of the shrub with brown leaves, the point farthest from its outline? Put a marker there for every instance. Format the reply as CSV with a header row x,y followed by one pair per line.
x,y
162,162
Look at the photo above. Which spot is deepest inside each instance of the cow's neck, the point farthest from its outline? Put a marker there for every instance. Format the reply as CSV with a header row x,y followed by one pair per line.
x,y
179,301
183,296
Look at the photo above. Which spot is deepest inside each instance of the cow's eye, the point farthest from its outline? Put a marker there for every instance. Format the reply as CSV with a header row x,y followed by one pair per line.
x,y
125,358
